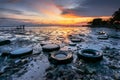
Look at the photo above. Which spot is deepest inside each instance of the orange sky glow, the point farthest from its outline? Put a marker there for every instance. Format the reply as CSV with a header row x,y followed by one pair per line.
x,y
51,11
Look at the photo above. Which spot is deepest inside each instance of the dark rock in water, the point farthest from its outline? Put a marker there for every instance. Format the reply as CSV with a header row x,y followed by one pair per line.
x,y
20,62
24,60
77,40
5,42
21,52
50,47
49,75
103,37
101,32
72,44
45,43
61,57
107,48
90,55
17,61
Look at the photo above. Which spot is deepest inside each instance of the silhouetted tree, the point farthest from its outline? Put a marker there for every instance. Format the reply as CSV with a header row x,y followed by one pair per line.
x,y
104,22
114,21
96,21
116,16
110,21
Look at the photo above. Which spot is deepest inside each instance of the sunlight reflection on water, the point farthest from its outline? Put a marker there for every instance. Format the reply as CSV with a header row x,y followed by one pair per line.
x,y
61,32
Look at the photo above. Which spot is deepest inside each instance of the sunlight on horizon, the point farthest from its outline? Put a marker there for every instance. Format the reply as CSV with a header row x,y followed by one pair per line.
x,y
48,12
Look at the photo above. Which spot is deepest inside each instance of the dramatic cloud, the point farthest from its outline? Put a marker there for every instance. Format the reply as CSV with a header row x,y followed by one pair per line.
x,y
11,11
58,11
91,8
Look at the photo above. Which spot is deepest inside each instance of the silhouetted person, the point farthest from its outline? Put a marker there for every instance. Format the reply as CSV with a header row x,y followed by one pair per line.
x,y
23,27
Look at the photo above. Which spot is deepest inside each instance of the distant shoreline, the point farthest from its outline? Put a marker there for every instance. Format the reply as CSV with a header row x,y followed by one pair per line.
x,y
49,25
91,26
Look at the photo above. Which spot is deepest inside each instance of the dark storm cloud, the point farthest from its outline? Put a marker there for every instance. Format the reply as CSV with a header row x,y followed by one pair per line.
x,y
9,1
77,11
76,7
93,8
4,1
3,18
66,3
10,11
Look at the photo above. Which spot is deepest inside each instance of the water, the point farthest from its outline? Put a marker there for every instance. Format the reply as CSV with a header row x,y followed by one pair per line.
x,y
58,32
60,56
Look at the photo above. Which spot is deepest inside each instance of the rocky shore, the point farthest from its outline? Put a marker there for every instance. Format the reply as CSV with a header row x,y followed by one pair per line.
x,y
36,66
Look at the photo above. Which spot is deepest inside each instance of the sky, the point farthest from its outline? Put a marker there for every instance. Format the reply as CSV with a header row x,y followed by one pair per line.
x,y
55,11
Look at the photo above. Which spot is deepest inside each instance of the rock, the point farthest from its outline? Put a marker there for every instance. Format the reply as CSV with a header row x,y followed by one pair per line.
x,y
103,37
5,42
77,40
80,71
15,70
82,35
21,52
24,60
49,68
29,58
107,48
17,61
45,42
49,75
50,47
35,39
117,76
90,70
101,33
72,44
114,66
